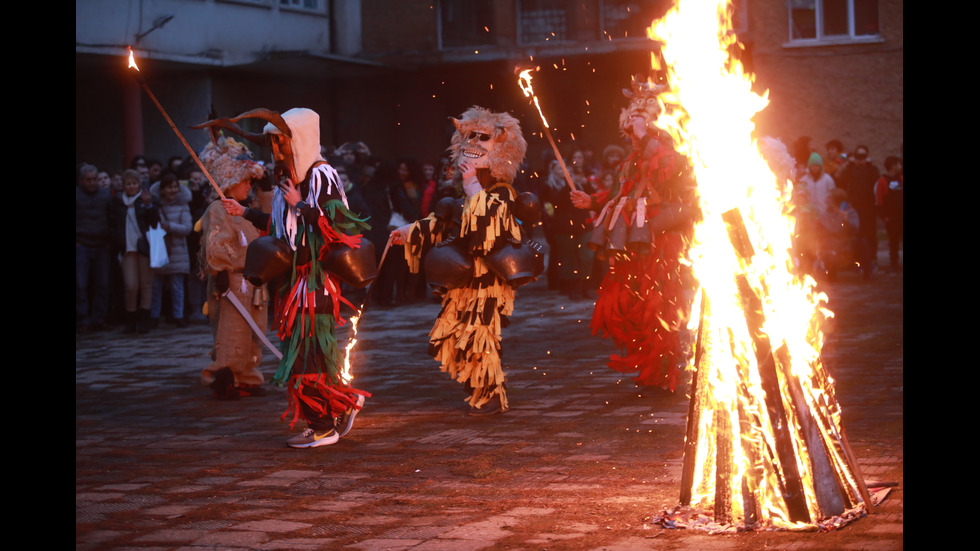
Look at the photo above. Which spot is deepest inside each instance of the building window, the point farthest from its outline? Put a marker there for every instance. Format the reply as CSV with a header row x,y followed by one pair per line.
x,y
630,18
821,21
543,21
313,5
466,23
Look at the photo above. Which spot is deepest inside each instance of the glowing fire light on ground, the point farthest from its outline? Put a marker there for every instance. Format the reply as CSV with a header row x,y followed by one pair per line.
x,y
765,446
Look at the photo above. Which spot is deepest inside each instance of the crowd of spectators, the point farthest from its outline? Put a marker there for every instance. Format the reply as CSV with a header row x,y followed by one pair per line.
x,y
842,200
840,196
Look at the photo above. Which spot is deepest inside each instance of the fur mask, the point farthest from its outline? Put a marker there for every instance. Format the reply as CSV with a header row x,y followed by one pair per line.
x,y
489,140
229,162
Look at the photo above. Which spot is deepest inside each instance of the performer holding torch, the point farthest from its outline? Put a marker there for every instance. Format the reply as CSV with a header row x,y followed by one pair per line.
x,y
310,219
644,230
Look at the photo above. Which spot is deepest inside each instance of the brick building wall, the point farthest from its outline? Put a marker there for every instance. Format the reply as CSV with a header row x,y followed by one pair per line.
x,y
852,92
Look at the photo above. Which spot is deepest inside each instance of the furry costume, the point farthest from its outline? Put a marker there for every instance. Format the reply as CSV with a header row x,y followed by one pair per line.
x,y
466,337
224,240
643,301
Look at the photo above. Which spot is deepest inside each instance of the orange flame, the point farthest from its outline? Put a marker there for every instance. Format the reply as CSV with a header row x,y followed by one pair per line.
x,y
524,81
345,372
132,61
708,113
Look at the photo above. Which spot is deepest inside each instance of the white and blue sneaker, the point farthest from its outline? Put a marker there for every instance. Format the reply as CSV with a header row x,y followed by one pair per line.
x,y
310,438
346,419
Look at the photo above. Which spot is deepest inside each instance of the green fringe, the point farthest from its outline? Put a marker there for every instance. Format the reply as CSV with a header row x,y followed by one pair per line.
x,y
323,343
324,339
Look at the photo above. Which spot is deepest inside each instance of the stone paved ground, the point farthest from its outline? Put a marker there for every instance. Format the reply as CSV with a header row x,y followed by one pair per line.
x,y
580,462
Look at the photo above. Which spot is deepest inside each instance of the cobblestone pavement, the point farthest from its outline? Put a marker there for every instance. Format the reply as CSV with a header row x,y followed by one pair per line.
x,y
581,461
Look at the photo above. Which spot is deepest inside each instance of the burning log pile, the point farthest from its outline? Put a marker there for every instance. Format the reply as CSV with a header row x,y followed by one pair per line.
x,y
765,447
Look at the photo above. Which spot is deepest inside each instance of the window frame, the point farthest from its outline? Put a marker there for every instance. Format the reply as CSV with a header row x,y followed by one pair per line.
x,y
823,40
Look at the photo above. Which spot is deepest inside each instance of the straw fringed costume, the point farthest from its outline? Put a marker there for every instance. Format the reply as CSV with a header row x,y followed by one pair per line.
x,y
466,337
224,241
643,301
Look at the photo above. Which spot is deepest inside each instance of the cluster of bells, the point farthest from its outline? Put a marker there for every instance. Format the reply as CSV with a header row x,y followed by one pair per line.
x,y
447,265
622,237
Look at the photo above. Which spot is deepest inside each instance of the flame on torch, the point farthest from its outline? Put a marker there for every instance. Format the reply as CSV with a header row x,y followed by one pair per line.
x,y
132,61
146,88
524,81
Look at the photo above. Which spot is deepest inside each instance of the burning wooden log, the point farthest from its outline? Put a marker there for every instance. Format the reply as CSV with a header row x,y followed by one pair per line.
x,y
813,467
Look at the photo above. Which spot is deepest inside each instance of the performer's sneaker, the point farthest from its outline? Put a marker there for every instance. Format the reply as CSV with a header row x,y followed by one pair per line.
x,y
346,419
309,438
490,408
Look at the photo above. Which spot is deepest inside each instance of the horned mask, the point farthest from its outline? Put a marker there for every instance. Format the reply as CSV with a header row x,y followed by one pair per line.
x,y
644,102
294,137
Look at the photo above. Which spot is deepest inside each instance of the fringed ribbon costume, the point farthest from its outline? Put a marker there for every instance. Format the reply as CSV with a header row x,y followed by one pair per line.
x,y
309,299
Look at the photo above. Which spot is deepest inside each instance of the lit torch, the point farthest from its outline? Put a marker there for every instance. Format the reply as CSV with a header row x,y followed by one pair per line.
x,y
142,82
524,81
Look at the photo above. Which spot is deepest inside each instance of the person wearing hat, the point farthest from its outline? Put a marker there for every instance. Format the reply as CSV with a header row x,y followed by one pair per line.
x,y
310,216
819,184
487,150
237,352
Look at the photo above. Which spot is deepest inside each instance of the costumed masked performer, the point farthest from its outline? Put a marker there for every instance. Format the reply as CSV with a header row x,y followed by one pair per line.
x,y
224,241
310,217
644,229
487,150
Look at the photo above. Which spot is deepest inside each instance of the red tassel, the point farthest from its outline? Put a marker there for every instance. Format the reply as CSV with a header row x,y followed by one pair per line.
x,y
329,397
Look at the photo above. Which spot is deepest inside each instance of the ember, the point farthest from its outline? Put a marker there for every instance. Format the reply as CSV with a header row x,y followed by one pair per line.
x,y
765,448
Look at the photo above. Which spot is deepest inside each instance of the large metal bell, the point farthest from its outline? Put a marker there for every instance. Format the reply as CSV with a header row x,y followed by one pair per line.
x,y
447,266
670,217
355,266
266,259
598,238
515,262
616,245
639,238
527,208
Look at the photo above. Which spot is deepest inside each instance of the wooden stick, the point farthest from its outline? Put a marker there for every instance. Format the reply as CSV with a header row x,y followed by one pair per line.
x,y
724,450
792,482
826,481
698,391
561,161
142,82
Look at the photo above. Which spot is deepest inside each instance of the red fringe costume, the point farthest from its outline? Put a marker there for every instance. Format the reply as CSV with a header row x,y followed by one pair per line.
x,y
642,302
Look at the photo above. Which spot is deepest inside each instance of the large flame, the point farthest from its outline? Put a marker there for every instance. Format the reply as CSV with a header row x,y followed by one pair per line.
x,y
708,112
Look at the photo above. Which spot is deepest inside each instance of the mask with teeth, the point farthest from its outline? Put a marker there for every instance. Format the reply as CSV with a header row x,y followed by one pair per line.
x,y
644,103
490,141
